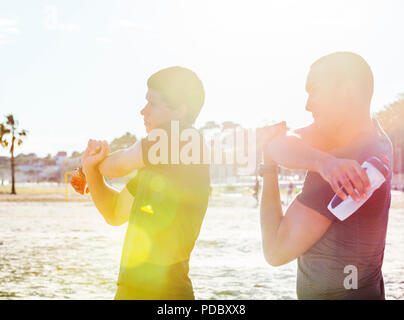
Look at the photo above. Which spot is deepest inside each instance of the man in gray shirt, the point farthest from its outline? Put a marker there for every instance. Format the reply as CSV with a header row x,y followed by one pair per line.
x,y
341,137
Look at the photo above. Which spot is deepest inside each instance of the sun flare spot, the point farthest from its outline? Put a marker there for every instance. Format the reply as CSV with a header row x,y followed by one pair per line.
x,y
148,209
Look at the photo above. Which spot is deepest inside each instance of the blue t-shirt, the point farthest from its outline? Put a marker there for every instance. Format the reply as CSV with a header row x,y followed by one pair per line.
x,y
358,241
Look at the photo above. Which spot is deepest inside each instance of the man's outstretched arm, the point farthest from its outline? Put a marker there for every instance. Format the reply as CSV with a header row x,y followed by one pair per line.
x,y
122,162
298,149
303,149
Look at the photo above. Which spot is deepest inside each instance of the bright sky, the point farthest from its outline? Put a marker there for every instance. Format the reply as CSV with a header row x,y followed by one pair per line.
x,y
74,70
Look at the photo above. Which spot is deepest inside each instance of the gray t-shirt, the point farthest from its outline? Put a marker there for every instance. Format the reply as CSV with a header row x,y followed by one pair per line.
x,y
357,241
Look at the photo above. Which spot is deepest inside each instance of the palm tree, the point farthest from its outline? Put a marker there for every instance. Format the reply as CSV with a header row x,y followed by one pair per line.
x,y
11,127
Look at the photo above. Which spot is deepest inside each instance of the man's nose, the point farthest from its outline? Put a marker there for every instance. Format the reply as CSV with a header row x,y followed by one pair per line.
x,y
308,106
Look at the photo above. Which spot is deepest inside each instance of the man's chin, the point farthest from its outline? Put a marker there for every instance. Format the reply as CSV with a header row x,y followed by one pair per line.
x,y
148,128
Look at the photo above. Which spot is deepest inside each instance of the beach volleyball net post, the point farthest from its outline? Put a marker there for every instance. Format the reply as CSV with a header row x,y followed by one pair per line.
x,y
67,173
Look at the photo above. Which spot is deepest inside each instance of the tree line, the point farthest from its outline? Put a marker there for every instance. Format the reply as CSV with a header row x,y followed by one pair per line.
x,y
391,118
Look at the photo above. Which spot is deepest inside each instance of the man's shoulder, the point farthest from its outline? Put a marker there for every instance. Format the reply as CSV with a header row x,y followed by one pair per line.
x,y
384,143
378,145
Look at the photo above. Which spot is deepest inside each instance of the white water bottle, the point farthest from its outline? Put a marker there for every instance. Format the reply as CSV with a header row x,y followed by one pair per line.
x,y
377,172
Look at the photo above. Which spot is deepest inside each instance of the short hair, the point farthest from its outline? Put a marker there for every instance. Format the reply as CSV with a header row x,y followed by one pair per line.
x,y
179,86
348,66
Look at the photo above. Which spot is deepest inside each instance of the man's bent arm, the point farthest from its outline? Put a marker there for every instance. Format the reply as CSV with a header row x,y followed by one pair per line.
x,y
122,162
271,216
284,238
105,198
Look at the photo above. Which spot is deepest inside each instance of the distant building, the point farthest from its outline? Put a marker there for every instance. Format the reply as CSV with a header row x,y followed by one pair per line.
x,y
60,157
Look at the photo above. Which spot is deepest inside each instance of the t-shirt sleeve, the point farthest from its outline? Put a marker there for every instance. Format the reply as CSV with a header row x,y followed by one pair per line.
x,y
317,194
131,186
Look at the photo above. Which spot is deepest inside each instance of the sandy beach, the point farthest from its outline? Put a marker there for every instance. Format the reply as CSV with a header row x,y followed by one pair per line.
x,y
52,249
